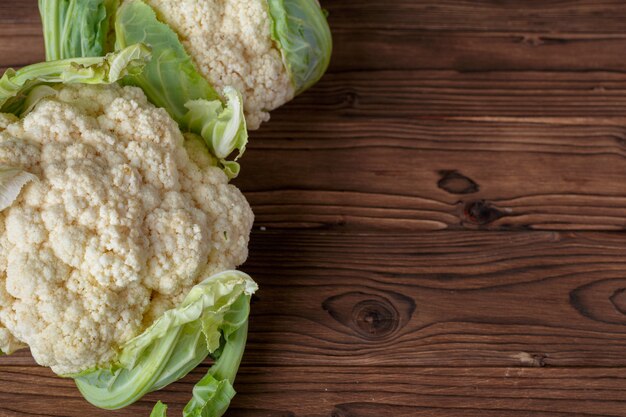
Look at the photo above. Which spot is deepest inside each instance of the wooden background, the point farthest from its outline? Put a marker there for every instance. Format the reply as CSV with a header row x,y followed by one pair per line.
x,y
440,222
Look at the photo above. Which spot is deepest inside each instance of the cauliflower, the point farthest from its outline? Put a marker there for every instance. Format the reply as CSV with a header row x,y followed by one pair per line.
x,y
231,45
8,342
126,217
269,50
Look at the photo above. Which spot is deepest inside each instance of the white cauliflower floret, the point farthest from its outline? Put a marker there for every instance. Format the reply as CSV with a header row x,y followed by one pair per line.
x,y
231,45
121,224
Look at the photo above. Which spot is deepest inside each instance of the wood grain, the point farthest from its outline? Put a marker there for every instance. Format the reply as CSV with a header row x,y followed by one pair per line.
x,y
341,391
586,16
469,308
557,97
439,299
439,221
379,50
548,16
359,46
468,299
426,174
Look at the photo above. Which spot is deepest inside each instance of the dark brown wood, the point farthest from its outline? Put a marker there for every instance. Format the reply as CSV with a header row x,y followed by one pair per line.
x,y
377,173
550,16
428,316
397,42
439,221
438,299
285,391
321,391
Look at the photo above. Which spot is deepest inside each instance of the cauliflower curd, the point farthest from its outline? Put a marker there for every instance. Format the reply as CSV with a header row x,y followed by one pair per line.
x,y
125,218
231,45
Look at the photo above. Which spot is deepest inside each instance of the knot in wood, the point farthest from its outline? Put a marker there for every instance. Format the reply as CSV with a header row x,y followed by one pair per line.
x,y
371,316
603,301
351,99
375,319
481,212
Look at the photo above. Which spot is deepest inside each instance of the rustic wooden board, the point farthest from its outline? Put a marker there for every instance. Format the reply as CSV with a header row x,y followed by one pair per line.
x,y
319,391
438,322
439,222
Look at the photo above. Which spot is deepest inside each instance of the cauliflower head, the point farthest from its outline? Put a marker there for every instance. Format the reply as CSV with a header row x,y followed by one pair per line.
x,y
231,44
126,216
267,50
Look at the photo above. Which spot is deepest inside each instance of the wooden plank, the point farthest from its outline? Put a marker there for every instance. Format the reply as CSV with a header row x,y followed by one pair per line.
x,y
548,16
341,391
23,13
436,299
327,301
374,392
20,45
394,49
358,46
21,41
567,97
446,172
364,49
437,149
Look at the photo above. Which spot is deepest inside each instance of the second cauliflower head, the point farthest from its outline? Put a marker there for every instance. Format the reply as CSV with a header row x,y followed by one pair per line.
x,y
125,217
268,50
231,45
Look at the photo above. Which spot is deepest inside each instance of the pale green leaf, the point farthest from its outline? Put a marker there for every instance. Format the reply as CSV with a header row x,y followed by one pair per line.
x,y
170,79
76,28
301,30
175,343
16,86
159,410
222,128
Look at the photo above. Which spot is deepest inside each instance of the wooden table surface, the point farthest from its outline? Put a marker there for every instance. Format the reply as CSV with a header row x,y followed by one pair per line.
x,y
440,221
